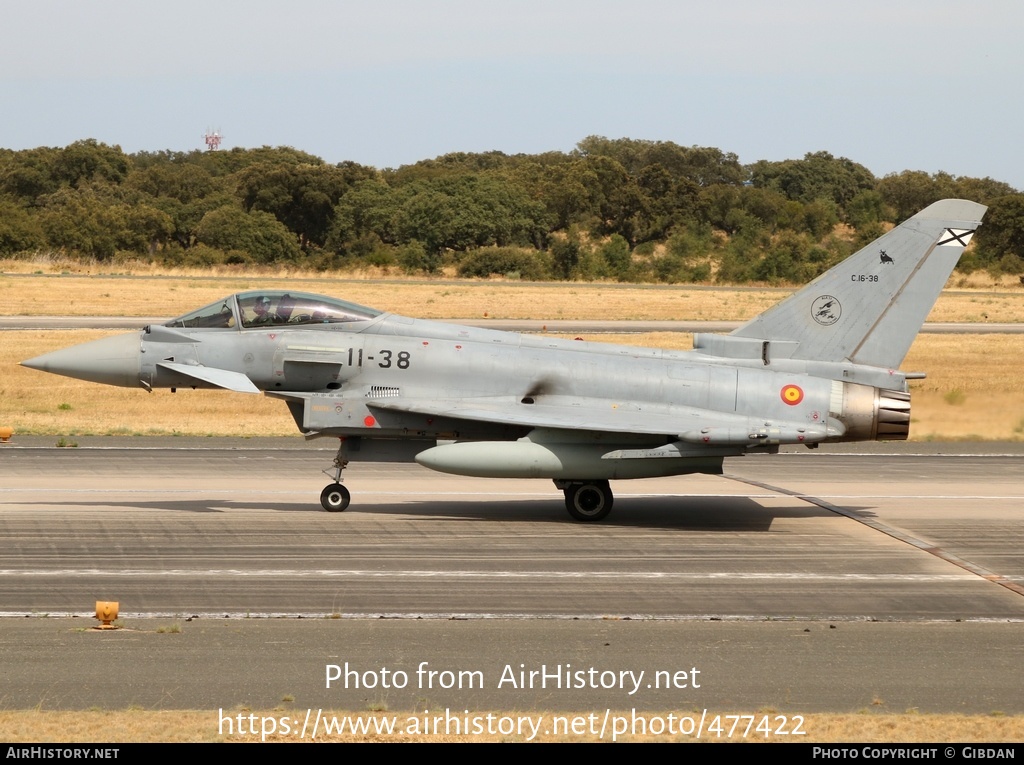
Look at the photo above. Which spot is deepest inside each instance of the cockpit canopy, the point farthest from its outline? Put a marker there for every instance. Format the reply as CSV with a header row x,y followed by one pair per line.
x,y
269,308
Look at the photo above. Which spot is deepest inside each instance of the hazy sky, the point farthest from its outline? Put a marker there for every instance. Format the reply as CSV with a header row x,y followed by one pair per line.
x,y
895,84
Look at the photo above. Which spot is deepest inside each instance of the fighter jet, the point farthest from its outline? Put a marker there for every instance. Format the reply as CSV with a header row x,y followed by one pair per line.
x,y
821,366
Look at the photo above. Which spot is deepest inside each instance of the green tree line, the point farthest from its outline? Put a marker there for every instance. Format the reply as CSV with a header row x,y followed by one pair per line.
x,y
623,209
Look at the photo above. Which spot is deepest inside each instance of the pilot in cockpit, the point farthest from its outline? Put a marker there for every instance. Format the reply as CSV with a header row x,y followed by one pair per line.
x,y
263,315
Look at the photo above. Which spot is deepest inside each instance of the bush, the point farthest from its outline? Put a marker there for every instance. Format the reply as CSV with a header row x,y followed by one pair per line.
x,y
199,255
259,234
413,257
489,261
616,256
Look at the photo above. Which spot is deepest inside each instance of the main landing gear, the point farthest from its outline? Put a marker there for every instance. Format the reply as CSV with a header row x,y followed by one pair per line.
x,y
587,501
335,497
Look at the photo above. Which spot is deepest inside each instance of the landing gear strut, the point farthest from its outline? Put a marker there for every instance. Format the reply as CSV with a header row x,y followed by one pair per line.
x,y
587,501
335,497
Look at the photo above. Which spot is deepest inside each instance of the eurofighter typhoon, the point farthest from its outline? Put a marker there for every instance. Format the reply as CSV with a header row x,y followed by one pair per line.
x,y
821,366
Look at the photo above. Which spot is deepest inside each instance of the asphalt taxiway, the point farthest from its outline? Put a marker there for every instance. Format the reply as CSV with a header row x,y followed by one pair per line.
x,y
807,580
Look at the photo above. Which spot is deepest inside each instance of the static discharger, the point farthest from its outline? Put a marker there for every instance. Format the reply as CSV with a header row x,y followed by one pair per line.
x,y
106,612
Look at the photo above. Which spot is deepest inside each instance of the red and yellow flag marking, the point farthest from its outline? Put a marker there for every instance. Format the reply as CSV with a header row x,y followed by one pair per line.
x,y
792,394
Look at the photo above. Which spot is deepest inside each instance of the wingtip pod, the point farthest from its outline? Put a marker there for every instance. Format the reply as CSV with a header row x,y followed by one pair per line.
x,y
868,309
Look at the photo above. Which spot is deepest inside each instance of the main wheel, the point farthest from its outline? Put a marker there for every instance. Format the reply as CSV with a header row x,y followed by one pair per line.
x,y
335,498
591,501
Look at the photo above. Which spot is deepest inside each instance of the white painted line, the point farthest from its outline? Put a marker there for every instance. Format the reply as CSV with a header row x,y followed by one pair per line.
x,y
426,574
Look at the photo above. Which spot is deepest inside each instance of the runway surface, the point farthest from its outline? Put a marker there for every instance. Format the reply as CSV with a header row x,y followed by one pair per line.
x,y
240,531
896,571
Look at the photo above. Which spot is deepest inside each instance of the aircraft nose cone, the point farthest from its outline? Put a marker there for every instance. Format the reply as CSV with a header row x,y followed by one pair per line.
x,y
111,361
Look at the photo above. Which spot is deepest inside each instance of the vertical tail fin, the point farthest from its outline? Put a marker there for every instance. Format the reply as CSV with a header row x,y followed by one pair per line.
x,y
869,308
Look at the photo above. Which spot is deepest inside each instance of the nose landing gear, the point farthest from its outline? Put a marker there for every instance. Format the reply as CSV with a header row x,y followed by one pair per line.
x,y
335,497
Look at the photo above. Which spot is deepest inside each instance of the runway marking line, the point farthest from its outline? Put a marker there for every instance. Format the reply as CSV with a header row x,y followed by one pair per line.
x,y
541,494
465,574
892,531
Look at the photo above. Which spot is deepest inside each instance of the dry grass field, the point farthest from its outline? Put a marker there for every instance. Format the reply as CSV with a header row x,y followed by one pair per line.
x,y
974,390
192,726
76,294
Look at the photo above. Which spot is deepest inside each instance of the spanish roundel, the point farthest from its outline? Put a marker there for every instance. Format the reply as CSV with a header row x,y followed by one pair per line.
x,y
792,394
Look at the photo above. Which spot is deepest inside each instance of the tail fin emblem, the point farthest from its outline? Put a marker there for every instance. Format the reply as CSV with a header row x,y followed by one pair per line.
x,y
957,237
826,310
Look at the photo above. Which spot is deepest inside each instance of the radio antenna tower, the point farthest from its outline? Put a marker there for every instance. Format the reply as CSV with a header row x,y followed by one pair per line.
x,y
212,139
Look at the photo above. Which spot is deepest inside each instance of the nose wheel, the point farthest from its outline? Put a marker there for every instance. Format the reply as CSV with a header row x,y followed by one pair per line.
x,y
335,498
588,501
